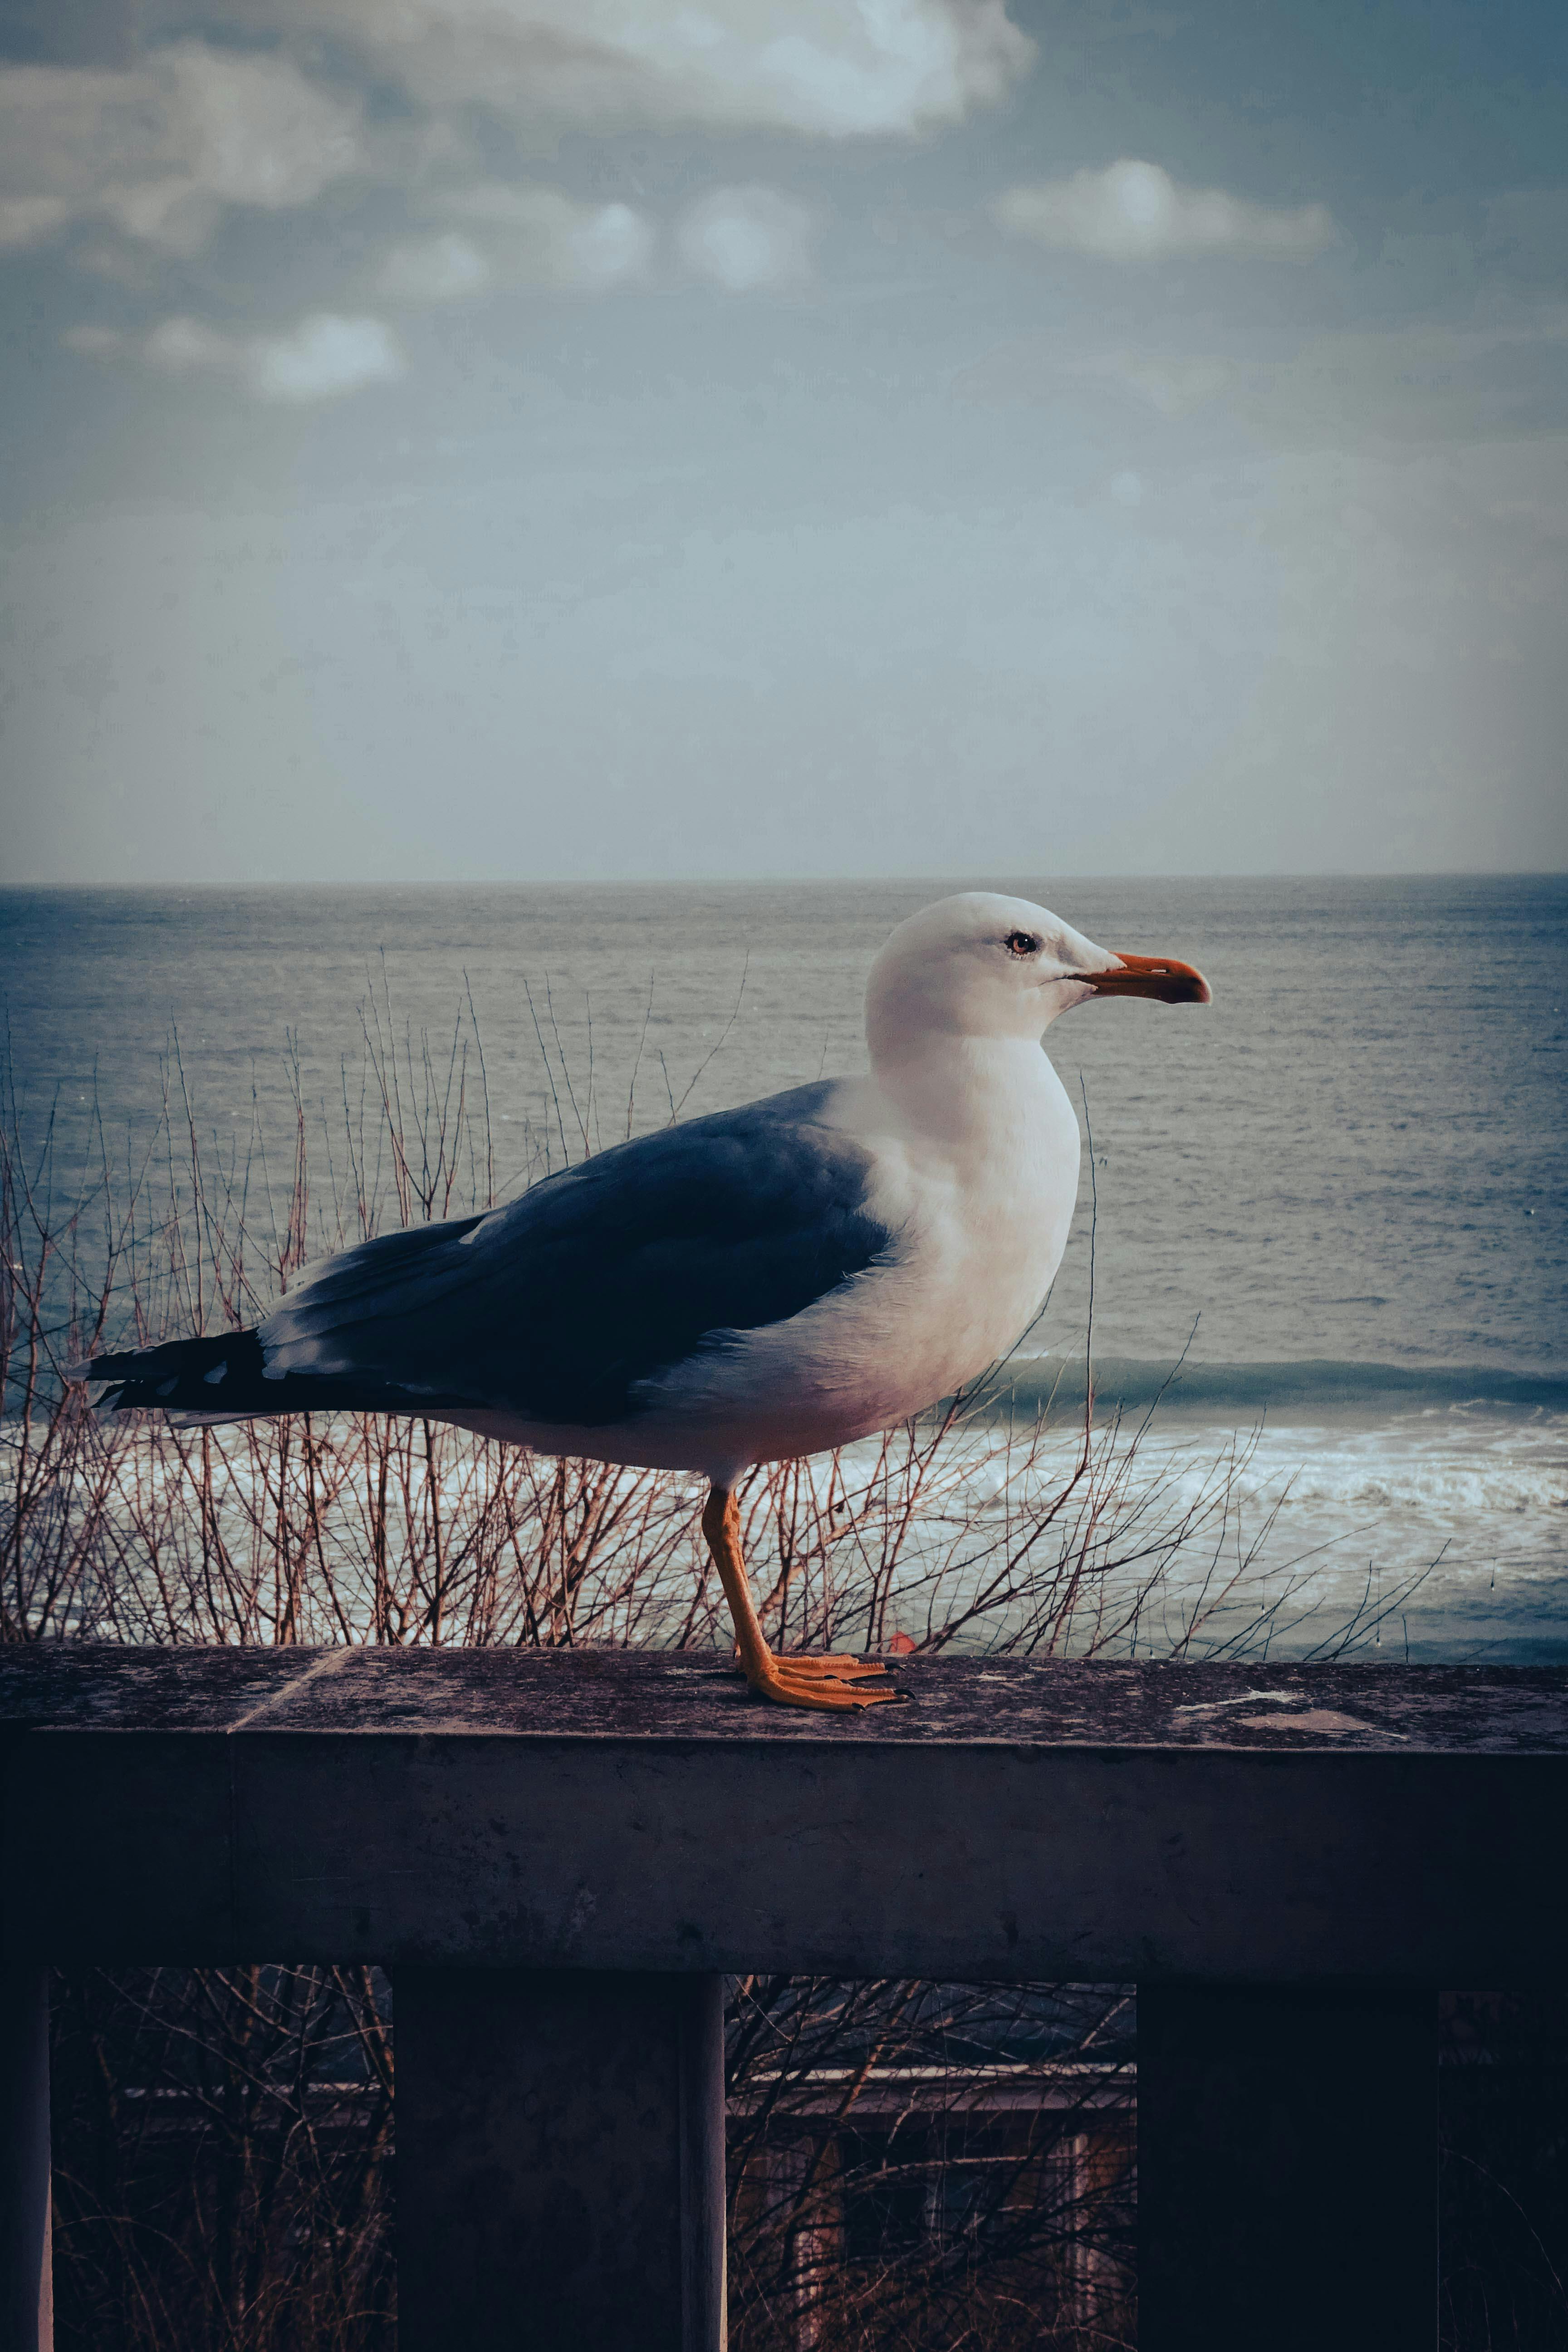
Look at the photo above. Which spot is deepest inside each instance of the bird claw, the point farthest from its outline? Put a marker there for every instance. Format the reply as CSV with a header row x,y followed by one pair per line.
x,y
825,1683
837,1669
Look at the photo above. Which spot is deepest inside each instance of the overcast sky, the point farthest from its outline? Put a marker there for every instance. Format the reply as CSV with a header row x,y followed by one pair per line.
x,y
531,438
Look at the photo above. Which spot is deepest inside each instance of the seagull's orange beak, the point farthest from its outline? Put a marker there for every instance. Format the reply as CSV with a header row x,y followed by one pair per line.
x,y
1158,976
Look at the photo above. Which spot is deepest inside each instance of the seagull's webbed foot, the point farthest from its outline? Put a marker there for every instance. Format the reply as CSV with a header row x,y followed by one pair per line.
x,y
825,1683
781,1680
837,1669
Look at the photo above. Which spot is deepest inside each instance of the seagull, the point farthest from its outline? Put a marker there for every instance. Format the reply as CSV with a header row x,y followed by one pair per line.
x,y
751,1287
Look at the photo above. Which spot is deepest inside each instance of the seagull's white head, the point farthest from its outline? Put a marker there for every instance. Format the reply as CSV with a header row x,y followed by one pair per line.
x,y
982,965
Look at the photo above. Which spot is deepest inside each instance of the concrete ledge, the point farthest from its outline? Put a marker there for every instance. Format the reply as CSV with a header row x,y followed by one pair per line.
x,y
581,1810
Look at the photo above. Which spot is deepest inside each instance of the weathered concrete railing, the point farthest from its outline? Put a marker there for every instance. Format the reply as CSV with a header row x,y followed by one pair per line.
x,y
560,1853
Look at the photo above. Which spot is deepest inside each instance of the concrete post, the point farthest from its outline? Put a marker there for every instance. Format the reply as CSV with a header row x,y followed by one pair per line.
x,y
1287,2170
560,2161
26,2282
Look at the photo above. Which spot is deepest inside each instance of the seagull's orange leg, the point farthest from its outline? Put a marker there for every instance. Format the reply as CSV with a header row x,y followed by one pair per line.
x,y
792,1682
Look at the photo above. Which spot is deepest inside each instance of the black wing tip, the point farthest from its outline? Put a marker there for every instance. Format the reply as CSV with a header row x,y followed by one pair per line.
x,y
222,1377
181,1375
93,1369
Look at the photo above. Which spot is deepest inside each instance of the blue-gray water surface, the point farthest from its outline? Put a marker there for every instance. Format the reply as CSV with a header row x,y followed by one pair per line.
x,y
1339,1187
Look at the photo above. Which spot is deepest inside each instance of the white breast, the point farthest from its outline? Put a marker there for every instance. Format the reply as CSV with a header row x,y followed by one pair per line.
x,y
976,1176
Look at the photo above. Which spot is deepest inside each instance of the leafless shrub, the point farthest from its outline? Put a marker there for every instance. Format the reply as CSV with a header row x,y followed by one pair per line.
x,y
222,2147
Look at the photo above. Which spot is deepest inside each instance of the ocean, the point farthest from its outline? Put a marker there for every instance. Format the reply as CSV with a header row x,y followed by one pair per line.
x,y
1335,1198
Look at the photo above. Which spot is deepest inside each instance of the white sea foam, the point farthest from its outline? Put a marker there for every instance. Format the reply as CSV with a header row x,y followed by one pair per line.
x,y
1445,1529
1397,1472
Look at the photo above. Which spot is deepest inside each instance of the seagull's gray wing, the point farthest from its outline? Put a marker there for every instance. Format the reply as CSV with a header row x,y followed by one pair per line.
x,y
557,1305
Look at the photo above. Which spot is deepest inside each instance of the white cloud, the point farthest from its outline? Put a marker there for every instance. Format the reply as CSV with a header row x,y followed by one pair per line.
x,y
747,238
253,131
323,357
611,244
818,67
176,213
1135,212
180,345
156,154
536,236
91,342
64,132
28,220
434,270
161,150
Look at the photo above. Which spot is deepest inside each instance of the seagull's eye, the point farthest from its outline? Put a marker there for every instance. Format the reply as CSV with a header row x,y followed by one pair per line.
x,y
1022,943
